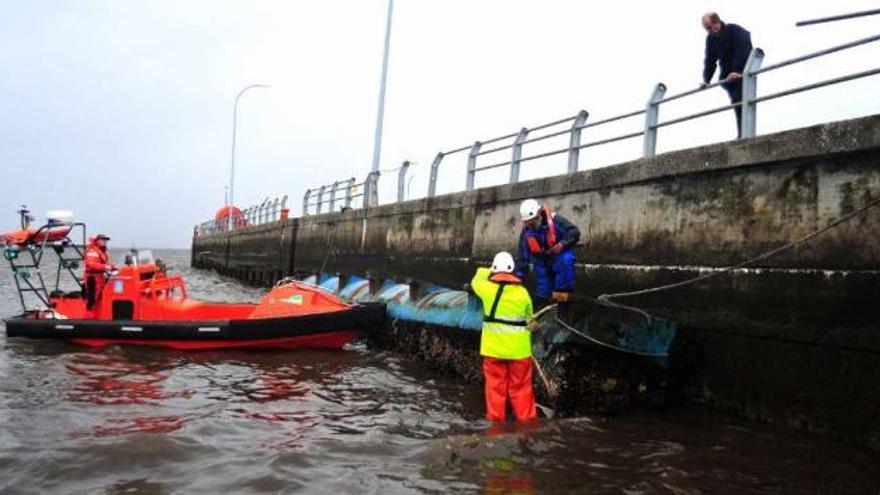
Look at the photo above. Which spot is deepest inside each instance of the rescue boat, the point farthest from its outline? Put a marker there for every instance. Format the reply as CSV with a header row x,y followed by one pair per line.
x,y
142,304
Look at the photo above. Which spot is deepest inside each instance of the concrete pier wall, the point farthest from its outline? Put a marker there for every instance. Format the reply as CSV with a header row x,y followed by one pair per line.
x,y
792,340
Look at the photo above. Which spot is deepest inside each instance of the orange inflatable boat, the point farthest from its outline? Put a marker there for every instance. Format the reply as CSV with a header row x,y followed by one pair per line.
x,y
141,304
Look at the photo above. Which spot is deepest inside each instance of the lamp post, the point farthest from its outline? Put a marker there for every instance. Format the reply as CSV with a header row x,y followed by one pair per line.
x,y
380,114
231,203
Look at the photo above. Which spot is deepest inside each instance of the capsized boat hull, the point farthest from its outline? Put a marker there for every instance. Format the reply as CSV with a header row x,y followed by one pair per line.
x,y
326,330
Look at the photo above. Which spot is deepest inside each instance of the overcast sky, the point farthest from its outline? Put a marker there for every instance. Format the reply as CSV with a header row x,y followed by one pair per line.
x,y
121,111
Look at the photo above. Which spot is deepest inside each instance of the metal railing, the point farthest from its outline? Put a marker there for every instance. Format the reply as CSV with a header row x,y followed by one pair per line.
x,y
266,212
324,199
326,195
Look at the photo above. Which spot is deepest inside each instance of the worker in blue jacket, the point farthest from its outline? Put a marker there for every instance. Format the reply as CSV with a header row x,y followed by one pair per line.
x,y
546,242
729,46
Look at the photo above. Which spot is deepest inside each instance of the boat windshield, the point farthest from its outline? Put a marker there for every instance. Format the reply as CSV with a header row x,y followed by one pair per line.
x,y
139,257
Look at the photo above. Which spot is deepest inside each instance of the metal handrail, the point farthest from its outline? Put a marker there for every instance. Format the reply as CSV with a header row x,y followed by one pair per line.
x,y
494,150
548,136
555,122
268,211
614,119
819,53
457,150
696,115
838,17
656,125
499,138
650,114
827,82
692,91
611,140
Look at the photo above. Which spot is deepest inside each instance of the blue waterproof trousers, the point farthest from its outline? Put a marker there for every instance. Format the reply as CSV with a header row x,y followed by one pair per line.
x,y
554,274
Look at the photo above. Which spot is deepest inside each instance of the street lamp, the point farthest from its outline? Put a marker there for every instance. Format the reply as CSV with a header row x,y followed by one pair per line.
x,y
232,166
371,194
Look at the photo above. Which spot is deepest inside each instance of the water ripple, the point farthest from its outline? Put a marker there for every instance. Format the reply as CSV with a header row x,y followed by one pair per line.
x,y
130,420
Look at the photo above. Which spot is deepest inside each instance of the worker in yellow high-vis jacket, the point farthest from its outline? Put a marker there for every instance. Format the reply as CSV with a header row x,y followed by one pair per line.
x,y
506,342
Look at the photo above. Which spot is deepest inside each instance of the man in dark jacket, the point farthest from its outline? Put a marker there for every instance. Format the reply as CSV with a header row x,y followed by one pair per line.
x,y
546,242
727,45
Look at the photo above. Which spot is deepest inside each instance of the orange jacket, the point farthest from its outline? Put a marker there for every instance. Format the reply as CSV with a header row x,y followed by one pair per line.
x,y
97,259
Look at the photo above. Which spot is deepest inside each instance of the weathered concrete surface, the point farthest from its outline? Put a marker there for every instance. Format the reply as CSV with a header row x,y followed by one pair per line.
x,y
417,238
259,255
793,340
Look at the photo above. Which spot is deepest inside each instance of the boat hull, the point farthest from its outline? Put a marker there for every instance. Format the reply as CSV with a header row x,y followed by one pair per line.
x,y
327,330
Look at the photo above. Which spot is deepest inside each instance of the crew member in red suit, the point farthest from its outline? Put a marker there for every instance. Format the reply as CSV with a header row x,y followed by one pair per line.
x,y
97,266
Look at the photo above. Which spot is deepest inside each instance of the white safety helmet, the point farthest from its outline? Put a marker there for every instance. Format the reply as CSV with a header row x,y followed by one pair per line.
x,y
529,209
502,263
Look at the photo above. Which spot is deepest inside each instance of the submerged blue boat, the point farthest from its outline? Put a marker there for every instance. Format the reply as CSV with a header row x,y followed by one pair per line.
x,y
585,321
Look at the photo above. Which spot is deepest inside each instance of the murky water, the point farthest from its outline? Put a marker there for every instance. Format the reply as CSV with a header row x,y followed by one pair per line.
x,y
137,420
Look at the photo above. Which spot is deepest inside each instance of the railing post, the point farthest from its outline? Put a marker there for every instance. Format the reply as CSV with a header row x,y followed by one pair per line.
x,y
320,198
333,196
517,155
472,166
371,189
306,202
401,181
749,122
432,181
574,142
348,193
652,115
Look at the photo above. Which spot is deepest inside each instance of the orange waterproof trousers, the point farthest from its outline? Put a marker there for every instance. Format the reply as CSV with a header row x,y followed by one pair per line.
x,y
509,379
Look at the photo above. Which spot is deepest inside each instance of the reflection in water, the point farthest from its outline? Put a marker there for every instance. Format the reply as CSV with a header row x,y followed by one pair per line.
x,y
507,481
105,379
139,424
133,420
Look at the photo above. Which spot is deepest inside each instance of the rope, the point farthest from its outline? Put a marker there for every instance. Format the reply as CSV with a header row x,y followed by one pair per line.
x,y
543,310
605,298
603,344
548,386
577,332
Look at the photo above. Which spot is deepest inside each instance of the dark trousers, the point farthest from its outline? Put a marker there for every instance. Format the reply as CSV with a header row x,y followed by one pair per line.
x,y
735,92
94,287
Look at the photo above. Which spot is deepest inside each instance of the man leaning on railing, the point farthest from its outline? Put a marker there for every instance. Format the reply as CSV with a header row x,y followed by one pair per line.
x,y
727,45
